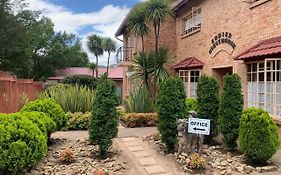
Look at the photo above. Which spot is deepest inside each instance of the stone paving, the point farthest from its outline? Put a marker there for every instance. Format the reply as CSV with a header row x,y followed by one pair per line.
x,y
146,158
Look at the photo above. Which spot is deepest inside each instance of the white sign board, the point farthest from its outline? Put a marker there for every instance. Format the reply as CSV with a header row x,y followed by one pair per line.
x,y
199,126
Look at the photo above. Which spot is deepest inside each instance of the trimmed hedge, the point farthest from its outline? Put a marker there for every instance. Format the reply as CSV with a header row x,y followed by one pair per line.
x,y
208,103
48,123
170,107
258,135
133,120
230,110
22,144
49,107
104,120
78,120
81,80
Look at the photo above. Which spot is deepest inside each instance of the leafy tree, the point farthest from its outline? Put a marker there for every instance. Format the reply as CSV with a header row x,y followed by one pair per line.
x,y
170,106
104,120
94,44
208,103
230,109
108,46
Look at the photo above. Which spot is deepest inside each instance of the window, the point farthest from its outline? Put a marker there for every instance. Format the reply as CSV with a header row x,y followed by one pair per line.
x,y
190,79
264,85
192,22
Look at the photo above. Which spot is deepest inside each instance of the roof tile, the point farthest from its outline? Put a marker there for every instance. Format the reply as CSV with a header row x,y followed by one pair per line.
x,y
189,63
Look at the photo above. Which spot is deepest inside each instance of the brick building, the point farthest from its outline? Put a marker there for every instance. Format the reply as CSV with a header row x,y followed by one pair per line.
x,y
216,37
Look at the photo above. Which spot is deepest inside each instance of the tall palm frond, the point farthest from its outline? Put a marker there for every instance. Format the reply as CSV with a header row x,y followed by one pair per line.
x,y
94,44
108,46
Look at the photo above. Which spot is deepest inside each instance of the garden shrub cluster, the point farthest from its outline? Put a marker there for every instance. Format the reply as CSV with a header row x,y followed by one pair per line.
x,y
78,120
104,120
24,135
22,143
133,120
49,107
230,110
258,135
81,80
170,107
71,98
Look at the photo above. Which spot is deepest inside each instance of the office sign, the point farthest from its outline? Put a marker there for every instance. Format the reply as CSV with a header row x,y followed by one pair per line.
x,y
199,126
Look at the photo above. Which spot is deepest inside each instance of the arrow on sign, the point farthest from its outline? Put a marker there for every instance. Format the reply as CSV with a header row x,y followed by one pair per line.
x,y
199,129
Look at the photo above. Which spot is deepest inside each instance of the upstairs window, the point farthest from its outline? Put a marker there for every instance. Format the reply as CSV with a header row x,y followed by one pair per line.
x,y
192,22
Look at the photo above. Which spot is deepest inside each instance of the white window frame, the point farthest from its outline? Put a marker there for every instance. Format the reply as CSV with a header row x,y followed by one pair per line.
x,y
192,22
272,93
187,74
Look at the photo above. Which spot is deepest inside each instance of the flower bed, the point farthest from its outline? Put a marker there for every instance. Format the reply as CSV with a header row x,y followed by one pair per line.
x,y
133,120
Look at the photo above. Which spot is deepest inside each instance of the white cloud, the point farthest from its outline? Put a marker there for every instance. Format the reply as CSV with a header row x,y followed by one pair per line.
x,y
104,21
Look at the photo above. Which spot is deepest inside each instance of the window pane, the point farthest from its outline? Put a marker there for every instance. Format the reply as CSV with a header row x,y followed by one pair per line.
x,y
268,65
249,66
254,67
249,78
254,77
192,73
181,73
278,65
268,76
261,76
261,66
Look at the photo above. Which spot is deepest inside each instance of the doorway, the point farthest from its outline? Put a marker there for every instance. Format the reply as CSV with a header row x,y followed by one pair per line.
x,y
219,73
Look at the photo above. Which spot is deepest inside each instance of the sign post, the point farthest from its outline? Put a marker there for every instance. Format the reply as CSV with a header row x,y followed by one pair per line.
x,y
199,126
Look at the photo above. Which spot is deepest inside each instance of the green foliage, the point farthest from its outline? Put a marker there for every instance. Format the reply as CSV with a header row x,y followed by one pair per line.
x,y
42,120
29,46
70,98
170,107
133,120
230,109
49,107
108,46
191,104
78,120
139,101
22,144
208,103
81,80
258,135
104,120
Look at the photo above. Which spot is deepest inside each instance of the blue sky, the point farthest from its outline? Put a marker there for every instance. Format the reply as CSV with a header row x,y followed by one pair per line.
x,y
85,17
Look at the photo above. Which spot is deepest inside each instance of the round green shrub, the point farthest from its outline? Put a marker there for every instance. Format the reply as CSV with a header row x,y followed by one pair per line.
x,y
49,124
170,107
78,120
49,107
258,136
191,104
22,144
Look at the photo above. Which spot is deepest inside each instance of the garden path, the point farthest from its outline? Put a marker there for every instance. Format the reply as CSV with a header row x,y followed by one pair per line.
x,y
141,158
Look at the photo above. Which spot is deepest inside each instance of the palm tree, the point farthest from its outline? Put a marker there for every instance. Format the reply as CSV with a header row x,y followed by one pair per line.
x,y
94,44
157,11
137,25
92,66
137,22
108,46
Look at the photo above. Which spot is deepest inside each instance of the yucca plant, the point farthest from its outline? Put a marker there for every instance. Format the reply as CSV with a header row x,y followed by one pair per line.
x,y
70,98
139,101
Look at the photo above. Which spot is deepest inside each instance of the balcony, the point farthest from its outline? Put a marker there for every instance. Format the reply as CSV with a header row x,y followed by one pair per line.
x,y
124,56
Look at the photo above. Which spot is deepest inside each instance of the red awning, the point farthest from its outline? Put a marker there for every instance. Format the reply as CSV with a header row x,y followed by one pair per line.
x,y
270,47
189,63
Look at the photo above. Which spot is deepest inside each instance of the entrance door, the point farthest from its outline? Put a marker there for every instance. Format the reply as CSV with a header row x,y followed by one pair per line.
x,y
219,73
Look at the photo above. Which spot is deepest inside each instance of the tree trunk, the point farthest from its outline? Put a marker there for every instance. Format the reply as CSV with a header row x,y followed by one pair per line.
x,y
97,68
107,64
145,78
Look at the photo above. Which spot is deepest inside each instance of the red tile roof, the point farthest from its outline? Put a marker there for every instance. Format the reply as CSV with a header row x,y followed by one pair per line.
x,y
269,47
113,72
189,63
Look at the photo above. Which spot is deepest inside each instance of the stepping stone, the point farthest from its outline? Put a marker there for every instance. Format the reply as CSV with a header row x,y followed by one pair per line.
x,y
135,148
132,143
141,154
129,139
147,161
155,169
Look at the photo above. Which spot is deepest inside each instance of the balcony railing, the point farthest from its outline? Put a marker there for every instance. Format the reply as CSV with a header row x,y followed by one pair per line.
x,y
124,54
